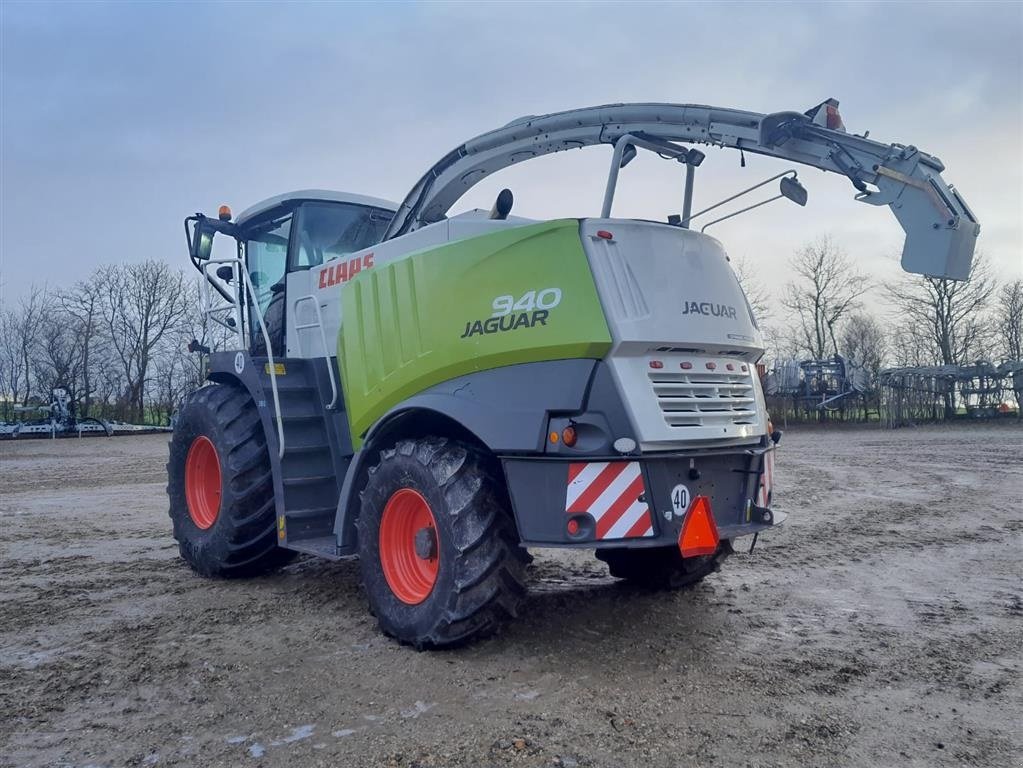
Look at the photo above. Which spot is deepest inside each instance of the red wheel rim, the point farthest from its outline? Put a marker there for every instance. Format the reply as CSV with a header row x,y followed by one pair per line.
x,y
202,482
409,573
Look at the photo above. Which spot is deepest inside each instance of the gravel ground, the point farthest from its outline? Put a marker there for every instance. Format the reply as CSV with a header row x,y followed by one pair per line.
x,y
882,625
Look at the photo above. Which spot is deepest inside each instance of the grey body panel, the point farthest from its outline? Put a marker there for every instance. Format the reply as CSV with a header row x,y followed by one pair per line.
x,y
538,488
505,408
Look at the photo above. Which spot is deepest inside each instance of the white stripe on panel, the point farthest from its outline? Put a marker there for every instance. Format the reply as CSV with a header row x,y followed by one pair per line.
x,y
614,491
583,481
629,519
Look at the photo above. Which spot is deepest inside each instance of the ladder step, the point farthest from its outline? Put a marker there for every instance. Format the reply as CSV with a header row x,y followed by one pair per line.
x,y
295,482
306,417
318,448
306,514
323,546
292,389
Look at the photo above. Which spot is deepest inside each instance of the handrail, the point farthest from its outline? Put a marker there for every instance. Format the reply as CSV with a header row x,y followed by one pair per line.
x,y
663,148
323,339
271,368
232,303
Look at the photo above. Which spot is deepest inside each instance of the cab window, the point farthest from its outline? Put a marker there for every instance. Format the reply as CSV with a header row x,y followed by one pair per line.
x,y
329,230
266,254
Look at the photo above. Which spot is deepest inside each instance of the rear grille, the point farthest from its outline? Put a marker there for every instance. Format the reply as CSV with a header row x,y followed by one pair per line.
x,y
704,399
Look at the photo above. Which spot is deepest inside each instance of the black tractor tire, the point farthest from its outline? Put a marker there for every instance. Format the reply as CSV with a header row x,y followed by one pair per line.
x,y
662,567
238,537
479,571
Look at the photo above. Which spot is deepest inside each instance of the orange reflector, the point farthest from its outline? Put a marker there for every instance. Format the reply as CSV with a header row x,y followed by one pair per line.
x,y
224,214
699,532
554,437
568,436
834,118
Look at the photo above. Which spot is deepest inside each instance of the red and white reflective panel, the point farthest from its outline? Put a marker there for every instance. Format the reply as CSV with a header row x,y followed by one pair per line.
x,y
766,481
609,492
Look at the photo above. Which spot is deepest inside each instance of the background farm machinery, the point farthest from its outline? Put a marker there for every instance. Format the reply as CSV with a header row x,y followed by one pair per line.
x,y
820,390
934,393
59,419
840,389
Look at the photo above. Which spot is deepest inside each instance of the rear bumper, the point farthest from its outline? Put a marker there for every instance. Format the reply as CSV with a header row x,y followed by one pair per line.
x,y
641,501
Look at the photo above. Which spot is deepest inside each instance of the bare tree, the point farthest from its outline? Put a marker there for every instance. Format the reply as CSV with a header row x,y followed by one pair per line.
x,y
863,340
141,305
1009,320
10,362
826,289
949,312
58,353
949,315
756,293
909,346
21,331
177,372
81,305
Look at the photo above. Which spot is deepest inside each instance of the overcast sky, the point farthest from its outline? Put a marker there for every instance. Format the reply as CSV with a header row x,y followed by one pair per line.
x,y
120,119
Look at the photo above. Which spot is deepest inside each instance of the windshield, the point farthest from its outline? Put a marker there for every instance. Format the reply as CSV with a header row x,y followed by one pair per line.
x,y
329,230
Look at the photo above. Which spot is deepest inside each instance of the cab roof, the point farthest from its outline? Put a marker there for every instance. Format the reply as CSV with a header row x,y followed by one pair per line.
x,y
322,195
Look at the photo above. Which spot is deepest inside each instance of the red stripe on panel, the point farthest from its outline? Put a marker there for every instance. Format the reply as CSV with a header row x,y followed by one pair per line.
x,y
598,486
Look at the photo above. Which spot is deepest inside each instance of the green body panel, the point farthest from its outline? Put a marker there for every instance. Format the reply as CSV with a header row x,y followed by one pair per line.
x,y
428,317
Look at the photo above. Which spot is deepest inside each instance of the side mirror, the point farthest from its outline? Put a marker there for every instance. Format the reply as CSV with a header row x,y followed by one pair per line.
x,y
791,188
201,244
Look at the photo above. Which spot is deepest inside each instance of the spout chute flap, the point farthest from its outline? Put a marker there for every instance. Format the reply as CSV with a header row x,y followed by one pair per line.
x,y
941,231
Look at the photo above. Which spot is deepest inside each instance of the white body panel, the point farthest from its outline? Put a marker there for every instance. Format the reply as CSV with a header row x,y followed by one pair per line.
x,y
325,195
671,298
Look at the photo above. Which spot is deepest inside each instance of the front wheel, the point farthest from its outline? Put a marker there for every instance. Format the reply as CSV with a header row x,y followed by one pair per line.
x,y
662,567
438,551
221,488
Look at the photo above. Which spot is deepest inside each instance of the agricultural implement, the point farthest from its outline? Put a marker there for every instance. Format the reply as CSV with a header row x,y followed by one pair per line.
x,y
437,393
59,419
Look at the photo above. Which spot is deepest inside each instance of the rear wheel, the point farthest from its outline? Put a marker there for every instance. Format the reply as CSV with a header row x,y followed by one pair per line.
x,y
662,567
438,551
221,488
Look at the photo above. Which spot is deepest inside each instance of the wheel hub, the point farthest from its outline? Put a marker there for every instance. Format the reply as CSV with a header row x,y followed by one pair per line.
x,y
426,543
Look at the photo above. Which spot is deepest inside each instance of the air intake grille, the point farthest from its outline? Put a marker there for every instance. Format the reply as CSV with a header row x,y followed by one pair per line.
x,y
705,399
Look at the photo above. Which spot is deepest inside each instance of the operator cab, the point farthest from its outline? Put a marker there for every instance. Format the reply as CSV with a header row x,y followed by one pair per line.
x,y
283,234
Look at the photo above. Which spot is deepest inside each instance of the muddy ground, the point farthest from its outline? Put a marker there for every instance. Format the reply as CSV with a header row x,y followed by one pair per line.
x,y
881,626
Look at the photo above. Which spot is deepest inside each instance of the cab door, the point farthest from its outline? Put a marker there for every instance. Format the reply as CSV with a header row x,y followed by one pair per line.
x,y
267,244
